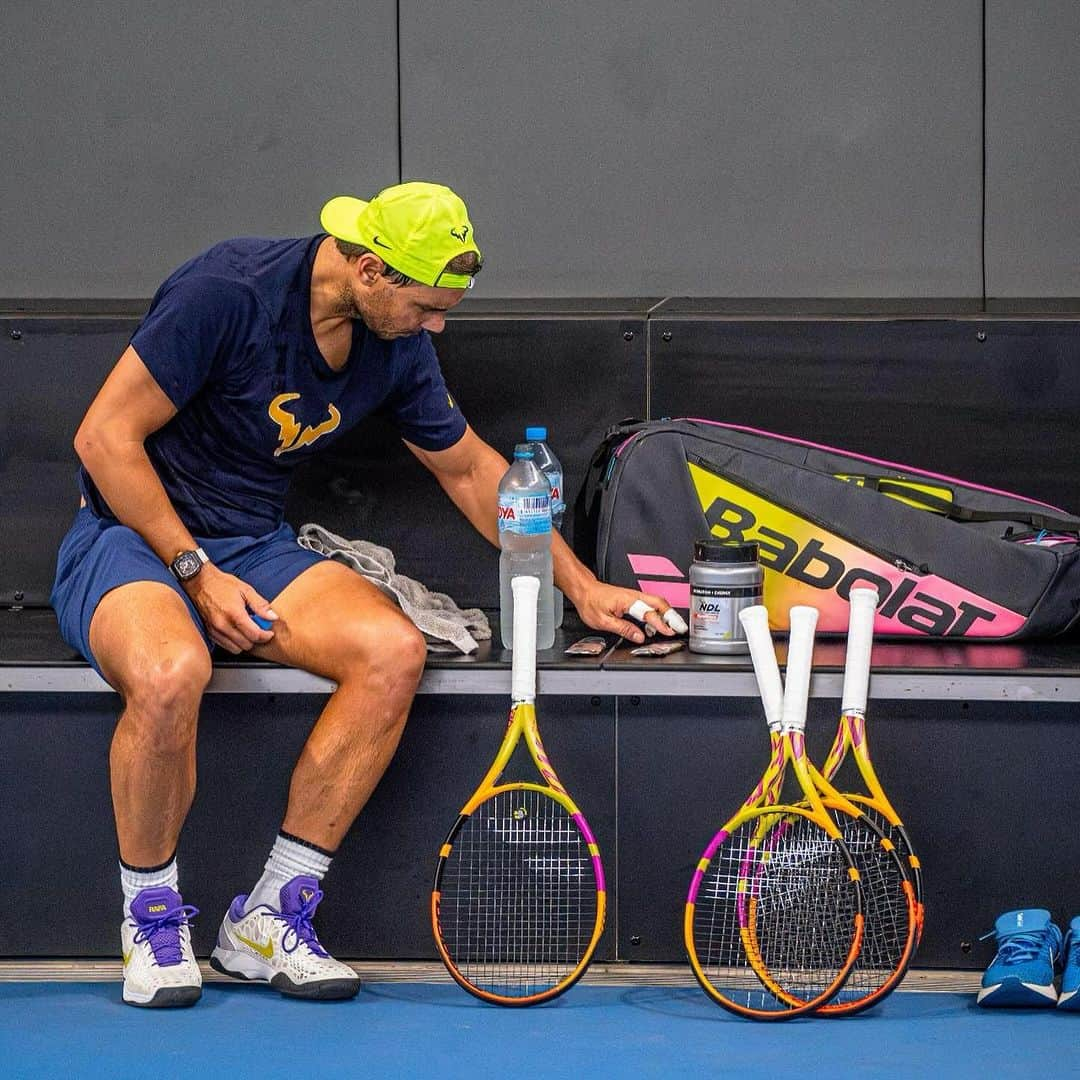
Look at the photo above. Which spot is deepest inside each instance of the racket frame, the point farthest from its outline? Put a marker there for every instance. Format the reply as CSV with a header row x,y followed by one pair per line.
x,y
816,788
851,733
855,688
787,748
522,725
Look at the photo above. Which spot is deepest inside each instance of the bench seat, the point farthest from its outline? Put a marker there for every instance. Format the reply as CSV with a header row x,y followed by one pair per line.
x,y
33,658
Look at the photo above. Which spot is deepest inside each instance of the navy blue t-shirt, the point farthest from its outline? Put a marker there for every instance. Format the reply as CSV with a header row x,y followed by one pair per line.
x,y
228,338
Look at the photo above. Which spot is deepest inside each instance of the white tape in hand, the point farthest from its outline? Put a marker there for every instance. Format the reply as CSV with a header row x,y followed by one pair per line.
x,y
639,609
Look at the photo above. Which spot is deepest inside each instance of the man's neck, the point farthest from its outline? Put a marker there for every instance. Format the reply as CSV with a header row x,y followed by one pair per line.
x,y
331,326
329,275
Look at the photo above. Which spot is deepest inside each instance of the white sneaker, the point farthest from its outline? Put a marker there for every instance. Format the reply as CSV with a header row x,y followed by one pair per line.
x,y
281,948
160,970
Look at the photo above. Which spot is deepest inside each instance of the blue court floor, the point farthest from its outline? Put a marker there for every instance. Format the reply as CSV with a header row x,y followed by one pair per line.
x,y
76,1030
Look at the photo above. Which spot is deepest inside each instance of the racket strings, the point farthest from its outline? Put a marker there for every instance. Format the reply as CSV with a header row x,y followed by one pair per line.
x,y
775,914
889,916
518,905
901,841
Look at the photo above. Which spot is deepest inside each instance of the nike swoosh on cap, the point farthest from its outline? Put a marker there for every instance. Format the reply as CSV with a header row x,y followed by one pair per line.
x,y
376,239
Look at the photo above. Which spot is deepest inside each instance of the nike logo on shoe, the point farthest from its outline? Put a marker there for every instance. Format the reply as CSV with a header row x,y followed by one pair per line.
x,y
266,950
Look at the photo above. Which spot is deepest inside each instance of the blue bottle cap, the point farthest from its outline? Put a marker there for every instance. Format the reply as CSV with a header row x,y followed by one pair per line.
x,y
536,434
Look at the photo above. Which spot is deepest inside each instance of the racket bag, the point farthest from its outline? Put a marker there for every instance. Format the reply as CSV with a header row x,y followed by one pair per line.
x,y
949,558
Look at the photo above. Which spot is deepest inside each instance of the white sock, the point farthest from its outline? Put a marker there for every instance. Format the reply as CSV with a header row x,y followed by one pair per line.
x,y
133,881
290,857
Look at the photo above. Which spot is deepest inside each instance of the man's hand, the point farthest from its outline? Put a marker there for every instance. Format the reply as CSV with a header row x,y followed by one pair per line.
x,y
604,607
225,604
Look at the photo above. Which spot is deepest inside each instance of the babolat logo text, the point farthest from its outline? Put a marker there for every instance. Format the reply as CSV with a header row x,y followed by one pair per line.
x,y
810,556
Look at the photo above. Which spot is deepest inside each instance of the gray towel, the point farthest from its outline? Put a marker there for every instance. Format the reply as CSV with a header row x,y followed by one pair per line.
x,y
445,626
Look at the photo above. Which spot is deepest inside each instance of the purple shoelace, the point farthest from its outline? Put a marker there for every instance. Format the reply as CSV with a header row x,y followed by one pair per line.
x,y
299,926
163,933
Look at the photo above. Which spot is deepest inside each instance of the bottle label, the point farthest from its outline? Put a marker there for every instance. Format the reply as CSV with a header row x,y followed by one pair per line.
x,y
555,478
526,515
714,612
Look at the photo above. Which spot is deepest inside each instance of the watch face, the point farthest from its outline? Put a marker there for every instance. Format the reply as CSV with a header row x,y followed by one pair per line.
x,y
187,565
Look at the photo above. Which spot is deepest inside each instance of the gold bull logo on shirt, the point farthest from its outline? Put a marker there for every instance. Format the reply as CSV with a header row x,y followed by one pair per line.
x,y
292,434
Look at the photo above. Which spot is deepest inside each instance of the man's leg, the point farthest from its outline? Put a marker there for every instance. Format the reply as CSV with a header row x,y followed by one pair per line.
x,y
149,649
151,652
335,624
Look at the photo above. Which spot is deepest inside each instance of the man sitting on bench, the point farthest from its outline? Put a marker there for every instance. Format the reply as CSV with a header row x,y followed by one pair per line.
x,y
253,356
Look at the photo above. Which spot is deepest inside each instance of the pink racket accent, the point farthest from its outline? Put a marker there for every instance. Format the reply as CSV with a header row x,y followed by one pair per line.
x,y
598,868
583,825
695,884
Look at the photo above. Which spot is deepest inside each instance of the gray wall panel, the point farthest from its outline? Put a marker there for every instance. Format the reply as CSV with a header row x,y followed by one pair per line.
x,y
735,149
1032,148
135,134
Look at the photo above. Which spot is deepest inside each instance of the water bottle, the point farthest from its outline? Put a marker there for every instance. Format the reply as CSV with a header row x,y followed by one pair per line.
x,y
525,539
548,464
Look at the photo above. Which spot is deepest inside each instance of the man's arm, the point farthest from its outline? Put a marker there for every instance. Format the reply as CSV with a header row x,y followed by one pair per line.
x,y
129,407
469,472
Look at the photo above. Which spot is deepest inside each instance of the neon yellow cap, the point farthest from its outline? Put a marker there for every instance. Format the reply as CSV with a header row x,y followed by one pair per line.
x,y
417,228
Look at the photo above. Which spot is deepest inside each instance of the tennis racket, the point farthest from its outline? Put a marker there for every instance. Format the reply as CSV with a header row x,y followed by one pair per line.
x,y
851,736
891,921
773,917
518,901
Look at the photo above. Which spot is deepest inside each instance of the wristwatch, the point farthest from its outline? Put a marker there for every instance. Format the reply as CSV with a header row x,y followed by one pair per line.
x,y
187,564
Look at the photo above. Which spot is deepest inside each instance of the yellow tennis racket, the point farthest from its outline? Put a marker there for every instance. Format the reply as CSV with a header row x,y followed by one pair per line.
x,y
773,919
851,738
518,902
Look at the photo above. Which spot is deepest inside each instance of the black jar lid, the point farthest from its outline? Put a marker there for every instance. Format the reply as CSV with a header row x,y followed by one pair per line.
x,y
725,551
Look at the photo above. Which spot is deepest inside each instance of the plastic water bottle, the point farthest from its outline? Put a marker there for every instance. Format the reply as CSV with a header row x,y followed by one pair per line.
x,y
525,539
548,464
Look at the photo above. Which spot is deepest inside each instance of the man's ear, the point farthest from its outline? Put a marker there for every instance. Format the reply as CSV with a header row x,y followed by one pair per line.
x,y
368,268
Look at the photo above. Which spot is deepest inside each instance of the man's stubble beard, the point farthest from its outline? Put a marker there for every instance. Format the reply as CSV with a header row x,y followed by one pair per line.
x,y
347,307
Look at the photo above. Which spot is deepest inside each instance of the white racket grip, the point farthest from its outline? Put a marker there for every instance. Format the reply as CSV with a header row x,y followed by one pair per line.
x,y
526,591
860,642
755,624
800,661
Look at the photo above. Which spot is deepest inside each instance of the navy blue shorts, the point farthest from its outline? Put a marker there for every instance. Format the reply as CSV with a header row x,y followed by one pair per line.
x,y
98,554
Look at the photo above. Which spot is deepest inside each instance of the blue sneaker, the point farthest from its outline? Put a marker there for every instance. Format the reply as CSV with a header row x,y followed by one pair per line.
x,y
1070,979
1027,961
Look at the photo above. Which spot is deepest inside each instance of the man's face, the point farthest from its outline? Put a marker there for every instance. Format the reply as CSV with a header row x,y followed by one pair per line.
x,y
393,311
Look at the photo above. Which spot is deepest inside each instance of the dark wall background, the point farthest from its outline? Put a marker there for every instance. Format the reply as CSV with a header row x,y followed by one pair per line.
x,y
655,776
732,148
917,158
994,401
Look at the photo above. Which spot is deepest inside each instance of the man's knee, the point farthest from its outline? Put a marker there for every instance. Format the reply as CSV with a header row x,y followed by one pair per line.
x,y
389,652
165,693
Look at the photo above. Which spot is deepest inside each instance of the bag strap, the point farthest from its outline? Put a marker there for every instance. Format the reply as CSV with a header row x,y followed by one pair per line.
x,y
939,499
1038,521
